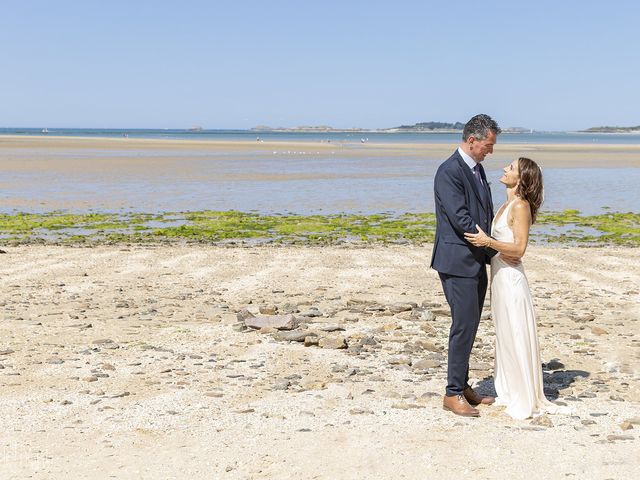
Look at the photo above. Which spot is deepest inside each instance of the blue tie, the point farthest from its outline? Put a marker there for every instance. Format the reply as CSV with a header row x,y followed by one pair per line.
x,y
481,187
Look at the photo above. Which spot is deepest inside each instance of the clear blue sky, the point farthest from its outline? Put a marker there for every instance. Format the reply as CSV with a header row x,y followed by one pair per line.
x,y
547,65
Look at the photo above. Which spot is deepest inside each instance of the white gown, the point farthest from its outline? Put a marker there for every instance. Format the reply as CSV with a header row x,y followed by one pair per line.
x,y
518,370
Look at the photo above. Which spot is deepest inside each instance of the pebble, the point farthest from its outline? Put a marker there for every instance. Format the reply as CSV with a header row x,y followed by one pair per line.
x,y
542,421
337,342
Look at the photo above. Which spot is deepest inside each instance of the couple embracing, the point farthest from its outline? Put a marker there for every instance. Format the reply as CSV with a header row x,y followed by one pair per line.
x,y
462,249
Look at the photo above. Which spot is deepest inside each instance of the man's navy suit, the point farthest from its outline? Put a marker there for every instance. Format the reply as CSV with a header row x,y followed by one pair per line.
x,y
461,202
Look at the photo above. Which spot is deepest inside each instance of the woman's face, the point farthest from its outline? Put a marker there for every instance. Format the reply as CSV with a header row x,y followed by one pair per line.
x,y
510,175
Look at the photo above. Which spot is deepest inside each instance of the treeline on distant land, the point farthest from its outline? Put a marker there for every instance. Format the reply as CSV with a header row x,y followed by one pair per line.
x,y
613,129
433,126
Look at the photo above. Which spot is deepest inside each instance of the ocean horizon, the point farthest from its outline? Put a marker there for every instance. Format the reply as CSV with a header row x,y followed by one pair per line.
x,y
346,136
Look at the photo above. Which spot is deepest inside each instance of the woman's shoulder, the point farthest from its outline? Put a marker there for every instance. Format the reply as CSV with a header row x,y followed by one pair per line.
x,y
520,208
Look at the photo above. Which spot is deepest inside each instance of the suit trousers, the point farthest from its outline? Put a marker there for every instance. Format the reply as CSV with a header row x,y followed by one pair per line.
x,y
465,296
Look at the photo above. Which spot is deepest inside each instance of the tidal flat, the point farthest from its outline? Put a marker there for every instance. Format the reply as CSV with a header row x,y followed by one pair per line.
x,y
252,229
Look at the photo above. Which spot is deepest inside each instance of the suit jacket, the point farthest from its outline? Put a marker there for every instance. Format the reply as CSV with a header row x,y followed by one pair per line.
x,y
460,205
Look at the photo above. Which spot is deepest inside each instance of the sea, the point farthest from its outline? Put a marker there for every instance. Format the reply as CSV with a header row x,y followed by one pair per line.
x,y
287,182
533,137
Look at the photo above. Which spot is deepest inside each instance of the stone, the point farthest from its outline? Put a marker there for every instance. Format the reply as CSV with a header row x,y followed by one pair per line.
x,y
554,365
268,309
281,385
332,342
427,316
91,378
243,315
399,361
542,421
429,346
406,406
281,322
598,331
297,336
624,426
613,438
120,395
401,307
311,341
425,364
330,328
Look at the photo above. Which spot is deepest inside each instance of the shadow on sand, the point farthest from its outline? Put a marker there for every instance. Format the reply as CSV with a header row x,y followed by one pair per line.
x,y
553,378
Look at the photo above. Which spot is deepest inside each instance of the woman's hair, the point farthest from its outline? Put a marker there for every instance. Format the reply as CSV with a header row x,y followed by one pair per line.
x,y
530,187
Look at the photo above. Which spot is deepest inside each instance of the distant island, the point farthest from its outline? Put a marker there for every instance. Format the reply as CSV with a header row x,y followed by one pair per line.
x,y
307,128
422,127
635,129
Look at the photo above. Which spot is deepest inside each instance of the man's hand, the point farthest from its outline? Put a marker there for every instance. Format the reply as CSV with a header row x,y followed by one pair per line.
x,y
509,260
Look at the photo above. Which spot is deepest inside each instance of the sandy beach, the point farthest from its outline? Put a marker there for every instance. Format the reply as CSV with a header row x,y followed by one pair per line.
x,y
130,362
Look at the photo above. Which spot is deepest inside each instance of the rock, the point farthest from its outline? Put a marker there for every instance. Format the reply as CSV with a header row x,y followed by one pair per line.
x,y
106,343
332,342
120,395
542,421
239,327
310,341
213,394
624,426
281,322
429,346
399,361
406,406
360,411
401,307
584,318
313,312
266,330
390,327
297,336
243,315
427,316
281,385
268,310
245,410
598,331
553,365
613,438
91,378
425,364
6,352
54,361
330,328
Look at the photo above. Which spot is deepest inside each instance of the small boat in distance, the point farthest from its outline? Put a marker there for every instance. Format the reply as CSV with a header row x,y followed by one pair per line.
x,y
45,130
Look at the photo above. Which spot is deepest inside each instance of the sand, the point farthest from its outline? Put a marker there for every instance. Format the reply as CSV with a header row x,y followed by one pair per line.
x,y
127,362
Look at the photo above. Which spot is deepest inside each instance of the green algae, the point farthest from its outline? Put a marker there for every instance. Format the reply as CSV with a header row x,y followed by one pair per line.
x,y
247,228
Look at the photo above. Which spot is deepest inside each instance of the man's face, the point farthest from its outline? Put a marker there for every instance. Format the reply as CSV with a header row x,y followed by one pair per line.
x,y
481,148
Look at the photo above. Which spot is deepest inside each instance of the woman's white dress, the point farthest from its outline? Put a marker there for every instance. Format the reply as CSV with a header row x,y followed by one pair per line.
x,y
518,370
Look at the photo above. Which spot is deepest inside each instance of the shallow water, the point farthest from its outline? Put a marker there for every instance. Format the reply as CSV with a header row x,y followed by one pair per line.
x,y
298,185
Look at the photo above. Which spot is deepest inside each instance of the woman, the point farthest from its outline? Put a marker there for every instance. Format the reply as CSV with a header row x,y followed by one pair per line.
x,y
518,372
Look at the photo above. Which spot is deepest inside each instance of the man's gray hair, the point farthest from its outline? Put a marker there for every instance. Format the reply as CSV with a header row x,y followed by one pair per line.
x,y
479,127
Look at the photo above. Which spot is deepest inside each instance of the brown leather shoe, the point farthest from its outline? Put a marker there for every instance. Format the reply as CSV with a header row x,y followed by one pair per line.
x,y
474,399
459,405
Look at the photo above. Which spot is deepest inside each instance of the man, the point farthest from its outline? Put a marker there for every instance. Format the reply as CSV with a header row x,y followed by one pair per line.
x,y
463,200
